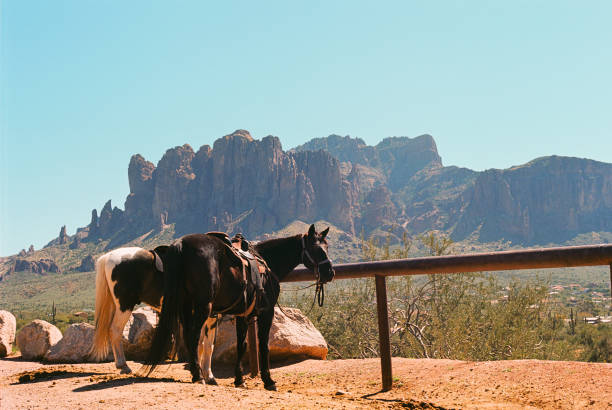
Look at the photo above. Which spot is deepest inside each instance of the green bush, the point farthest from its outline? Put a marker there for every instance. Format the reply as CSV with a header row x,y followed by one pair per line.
x,y
460,316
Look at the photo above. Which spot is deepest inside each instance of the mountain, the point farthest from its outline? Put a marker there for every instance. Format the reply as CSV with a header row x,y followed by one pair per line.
x,y
238,185
548,200
399,158
402,181
241,184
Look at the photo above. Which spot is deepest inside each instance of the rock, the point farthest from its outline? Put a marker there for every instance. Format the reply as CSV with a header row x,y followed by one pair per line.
x,y
138,210
41,266
138,333
8,326
74,346
378,209
94,226
76,243
550,199
162,221
292,337
398,157
110,221
140,174
173,176
63,237
241,184
35,339
346,149
88,264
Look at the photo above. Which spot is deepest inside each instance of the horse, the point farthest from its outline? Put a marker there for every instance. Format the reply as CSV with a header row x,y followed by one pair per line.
x,y
125,277
204,277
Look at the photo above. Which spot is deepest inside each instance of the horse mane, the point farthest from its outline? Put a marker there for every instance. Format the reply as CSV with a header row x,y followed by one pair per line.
x,y
280,253
274,243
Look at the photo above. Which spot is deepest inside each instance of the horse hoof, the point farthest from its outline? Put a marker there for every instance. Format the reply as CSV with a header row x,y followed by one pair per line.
x,y
125,370
196,379
241,385
212,382
271,387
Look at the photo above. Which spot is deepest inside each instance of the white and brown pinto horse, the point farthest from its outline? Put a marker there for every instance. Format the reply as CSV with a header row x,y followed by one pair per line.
x,y
125,277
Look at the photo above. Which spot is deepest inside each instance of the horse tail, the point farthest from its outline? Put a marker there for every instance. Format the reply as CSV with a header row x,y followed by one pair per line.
x,y
171,311
104,313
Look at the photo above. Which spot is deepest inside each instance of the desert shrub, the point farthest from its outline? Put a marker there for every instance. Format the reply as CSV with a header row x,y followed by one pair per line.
x,y
461,316
596,340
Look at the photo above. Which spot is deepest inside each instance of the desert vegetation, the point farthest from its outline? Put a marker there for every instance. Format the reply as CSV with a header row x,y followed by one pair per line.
x,y
475,316
462,316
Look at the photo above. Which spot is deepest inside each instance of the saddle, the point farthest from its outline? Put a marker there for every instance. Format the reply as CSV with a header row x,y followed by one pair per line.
x,y
253,266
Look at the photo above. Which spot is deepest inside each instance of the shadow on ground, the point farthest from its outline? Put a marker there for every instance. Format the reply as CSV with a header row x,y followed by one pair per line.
x,y
124,381
43,375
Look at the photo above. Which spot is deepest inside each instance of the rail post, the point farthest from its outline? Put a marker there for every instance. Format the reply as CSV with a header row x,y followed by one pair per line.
x,y
383,333
253,348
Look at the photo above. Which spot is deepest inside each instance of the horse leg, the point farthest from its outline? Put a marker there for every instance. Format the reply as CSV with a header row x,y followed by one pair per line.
x,y
116,333
264,322
241,331
192,339
205,349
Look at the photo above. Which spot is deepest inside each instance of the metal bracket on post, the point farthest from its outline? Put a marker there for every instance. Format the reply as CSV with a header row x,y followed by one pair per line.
x,y
383,333
253,347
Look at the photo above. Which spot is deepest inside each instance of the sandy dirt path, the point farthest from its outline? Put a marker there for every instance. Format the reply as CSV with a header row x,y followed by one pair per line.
x,y
315,384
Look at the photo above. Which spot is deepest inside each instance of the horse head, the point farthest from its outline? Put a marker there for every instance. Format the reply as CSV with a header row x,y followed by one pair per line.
x,y
314,254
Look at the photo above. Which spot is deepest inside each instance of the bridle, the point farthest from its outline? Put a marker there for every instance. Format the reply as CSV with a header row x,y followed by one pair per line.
x,y
320,291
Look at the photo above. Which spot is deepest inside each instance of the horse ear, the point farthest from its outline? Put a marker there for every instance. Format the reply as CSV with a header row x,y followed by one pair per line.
x,y
161,250
158,262
324,233
311,231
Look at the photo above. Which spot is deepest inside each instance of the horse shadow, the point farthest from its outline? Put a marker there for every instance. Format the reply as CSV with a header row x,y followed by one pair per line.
x,y
124,381
222,370
45,375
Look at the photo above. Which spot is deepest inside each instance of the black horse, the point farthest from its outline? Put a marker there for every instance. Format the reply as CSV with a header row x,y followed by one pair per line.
x,y
204,277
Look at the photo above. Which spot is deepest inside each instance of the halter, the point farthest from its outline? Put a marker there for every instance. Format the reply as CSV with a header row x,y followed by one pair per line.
x,y
320,291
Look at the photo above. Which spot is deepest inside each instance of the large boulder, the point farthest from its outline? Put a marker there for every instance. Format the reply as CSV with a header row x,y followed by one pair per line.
x,y
35,339
292,337
74,346
8,326
138,333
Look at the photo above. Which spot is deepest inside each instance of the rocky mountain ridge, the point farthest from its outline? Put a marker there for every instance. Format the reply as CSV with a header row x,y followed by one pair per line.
x,y
254,186
241,184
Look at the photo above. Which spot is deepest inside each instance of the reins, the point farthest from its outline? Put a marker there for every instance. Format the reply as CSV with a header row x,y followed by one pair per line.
x,y
320,290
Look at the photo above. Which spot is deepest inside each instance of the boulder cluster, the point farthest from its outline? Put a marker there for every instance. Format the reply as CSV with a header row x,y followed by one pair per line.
x,y
41,340
292,337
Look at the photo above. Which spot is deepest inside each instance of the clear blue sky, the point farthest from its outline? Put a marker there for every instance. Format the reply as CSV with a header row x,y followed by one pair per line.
x,y
86,84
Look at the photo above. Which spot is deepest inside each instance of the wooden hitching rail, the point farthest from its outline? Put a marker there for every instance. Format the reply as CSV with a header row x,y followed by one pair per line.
x,y
562,257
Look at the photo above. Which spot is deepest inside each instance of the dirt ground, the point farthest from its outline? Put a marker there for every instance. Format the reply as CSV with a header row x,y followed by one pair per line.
x,y
315,384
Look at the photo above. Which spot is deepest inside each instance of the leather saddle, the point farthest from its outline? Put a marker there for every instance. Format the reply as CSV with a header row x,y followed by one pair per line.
x,y
253,265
